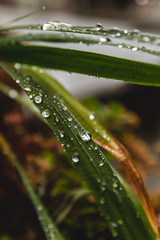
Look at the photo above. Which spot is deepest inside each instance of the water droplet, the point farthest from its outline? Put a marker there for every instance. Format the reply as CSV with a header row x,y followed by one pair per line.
x,y
102,39
53,26
103,186
135,33
95,148
46,27
134,48
86,136
99,26
39,208
12,93
70,119
101,164
57,119
61,134
146,39
38,99
30,96
120,222
115,185
46,113
28,89
43,7
157,41
17,65
125,31
75,158
120,45
17,81
91,116
102,201
118,34
114,229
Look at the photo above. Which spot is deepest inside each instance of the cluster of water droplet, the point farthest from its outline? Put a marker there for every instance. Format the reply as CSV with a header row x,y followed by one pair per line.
x,y
56,26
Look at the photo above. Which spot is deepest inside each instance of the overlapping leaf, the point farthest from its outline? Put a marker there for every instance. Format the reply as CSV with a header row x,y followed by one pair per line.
x,y
116,205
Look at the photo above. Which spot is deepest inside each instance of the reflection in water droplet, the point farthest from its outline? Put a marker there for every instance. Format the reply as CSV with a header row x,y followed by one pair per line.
x,y
86,136
120,222
17,65
39,208
115,185
75,158
38,99
53,26
57,119
134,48
146,39
70,119
46,113
91,116
101,164
99,26
28,89
17,81
102,39
61,134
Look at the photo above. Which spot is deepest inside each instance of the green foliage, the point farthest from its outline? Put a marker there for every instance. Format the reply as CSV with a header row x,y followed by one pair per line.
x,y
72,124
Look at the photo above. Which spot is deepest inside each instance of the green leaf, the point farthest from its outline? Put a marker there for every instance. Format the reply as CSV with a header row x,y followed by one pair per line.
x,y
72,38
49,228
83,62
98,29
17,96
124,219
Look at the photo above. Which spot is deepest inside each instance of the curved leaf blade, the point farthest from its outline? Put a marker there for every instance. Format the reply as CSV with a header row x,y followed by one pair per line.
x,y
101,179
83,62
49,228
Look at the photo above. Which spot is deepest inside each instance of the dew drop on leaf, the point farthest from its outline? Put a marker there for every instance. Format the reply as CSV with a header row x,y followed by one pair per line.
x,y
57,119
46,113
91,116
70,119
86,136
115,185
17,81
134,48
102,40
17,65
75,158
38,99
28,89
98,26
39,208
61,134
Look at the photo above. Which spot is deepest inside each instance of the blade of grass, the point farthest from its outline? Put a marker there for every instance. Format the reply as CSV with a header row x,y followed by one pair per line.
x,y
49,228
22,17
84,62
98,29
20,98
115,202
72,38
99,134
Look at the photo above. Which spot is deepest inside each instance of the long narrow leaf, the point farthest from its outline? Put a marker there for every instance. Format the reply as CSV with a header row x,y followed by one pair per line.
x,y
83,62
50,230
114,201
70,38
98,29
